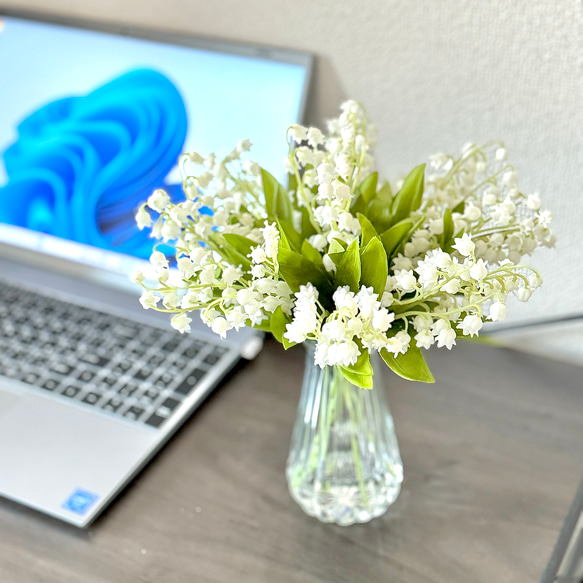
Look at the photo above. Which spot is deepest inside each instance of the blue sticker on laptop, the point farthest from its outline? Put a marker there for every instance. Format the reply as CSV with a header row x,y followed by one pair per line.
x,y
80,501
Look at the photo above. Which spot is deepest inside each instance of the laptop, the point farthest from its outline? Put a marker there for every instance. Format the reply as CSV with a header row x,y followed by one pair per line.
x,y
94,118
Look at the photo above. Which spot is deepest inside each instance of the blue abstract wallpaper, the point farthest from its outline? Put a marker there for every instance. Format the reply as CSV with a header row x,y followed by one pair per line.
x,y
82,164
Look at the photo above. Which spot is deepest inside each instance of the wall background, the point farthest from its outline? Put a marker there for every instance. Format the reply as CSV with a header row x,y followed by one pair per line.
x,y
432,76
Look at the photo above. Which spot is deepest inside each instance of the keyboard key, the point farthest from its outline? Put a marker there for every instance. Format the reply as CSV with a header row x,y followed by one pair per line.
x,y
139,351
112,405
171,345
87,375
126,331
143,374
134,412
127,389
152,393
31,378
165,380
61,367
39,361
71,391
188,384
182,363
50,384
156,360
211,358
155,420
91,398
92,358
192,351
108,381
170,403
10,372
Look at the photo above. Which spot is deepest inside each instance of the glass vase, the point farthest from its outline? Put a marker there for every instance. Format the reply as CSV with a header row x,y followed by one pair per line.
x,y
344,464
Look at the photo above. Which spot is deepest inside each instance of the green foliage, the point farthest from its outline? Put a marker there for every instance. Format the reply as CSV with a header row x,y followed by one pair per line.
x,y
278,324
379,209
233,248
360,373
265,326
239,243
297,270
367,231
368,187
337,246
289,236
397,234
374,266
310,253
408,199
336,250
447,228
348,268
460,207
364,194
277,201
410,366
307,228
292,182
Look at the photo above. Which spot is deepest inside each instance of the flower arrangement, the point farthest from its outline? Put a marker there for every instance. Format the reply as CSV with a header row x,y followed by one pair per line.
x,y
340,259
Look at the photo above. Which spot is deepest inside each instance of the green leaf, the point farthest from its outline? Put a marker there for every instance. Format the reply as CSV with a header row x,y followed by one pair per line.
x,y
447,228
296,270
292,237
284,204
229,251
336,250
240,243
367,231
270,190
392,237
368,187
277,201
357,205
283,240
385,193
360,373
411,365
379,210
416,225
409,197
310,253
265,326
279,322
460,207
348,269
374,266
292,182
307,228
359,380
337,246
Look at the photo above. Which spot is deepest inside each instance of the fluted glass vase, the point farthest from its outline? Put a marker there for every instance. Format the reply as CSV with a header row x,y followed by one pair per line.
x,y
344,464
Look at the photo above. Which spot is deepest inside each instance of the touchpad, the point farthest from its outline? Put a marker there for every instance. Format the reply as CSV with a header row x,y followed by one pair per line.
x,y
7,400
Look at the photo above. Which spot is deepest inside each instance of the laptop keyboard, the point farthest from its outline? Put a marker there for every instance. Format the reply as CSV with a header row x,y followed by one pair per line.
x,y
118,366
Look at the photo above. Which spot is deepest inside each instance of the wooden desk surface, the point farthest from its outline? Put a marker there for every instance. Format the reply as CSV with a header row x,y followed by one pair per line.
x,y
492,452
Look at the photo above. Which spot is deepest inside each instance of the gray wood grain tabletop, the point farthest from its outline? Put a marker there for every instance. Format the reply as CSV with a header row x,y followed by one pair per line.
x,y
492,453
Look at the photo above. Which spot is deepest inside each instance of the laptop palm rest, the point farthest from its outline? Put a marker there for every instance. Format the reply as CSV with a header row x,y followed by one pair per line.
x,y
64,460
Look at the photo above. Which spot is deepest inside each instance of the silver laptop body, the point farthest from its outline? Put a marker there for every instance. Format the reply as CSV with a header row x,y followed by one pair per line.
x,y
63,452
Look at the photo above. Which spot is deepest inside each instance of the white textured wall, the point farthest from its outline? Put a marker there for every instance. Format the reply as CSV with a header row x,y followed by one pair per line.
x,y
433,75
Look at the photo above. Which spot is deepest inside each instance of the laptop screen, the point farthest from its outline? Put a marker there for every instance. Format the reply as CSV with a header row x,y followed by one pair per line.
x,y
92,122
